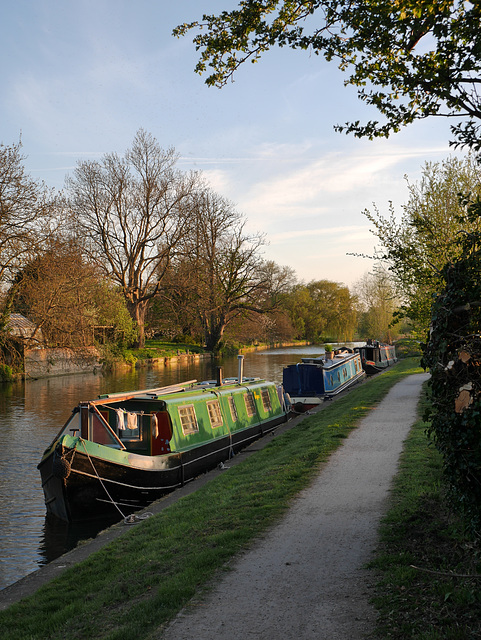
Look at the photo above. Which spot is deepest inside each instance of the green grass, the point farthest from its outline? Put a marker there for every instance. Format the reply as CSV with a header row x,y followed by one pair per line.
x,y
424,556
154,349
163,349
140,581
113,355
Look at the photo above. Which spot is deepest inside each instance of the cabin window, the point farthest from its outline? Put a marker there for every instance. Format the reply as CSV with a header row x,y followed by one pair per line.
x,y
99,432
250,404
188,419
233,410
215,415
128,425
266,400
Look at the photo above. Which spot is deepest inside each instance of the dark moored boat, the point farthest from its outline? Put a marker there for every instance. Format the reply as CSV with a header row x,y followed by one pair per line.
x,y
118,453
314,380
376,356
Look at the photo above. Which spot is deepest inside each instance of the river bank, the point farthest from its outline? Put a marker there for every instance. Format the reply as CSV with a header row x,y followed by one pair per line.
x,y
56,361
192,353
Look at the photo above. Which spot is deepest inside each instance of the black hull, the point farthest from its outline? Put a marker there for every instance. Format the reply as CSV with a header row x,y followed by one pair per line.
x,y
372,369
96,488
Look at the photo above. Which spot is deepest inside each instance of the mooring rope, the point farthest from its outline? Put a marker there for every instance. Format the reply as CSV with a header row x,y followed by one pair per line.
x,y
131,519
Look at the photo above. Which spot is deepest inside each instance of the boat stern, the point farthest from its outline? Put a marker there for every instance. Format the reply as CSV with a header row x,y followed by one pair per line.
x,y
54,470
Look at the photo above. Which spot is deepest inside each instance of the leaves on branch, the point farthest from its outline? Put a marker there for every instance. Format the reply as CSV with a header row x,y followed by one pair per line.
x,y
410,60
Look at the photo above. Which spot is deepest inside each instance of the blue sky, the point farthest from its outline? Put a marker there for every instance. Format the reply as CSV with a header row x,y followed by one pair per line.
x,y
80,77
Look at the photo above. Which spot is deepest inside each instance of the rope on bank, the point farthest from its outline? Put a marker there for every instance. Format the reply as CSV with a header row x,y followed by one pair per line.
x,y
134,518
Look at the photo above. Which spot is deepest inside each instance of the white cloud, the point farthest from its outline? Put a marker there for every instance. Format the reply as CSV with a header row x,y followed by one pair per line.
x,y
333,234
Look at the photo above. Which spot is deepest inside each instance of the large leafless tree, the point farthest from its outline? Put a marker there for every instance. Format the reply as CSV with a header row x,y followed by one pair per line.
x,y
222,274
132,213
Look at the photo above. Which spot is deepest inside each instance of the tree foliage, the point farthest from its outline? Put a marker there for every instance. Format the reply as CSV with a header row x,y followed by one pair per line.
x,y
417,246
66,297
378,302
453,356
409,59
323,309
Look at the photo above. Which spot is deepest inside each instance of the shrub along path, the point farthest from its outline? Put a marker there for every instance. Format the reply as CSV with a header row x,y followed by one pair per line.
x,y
306,579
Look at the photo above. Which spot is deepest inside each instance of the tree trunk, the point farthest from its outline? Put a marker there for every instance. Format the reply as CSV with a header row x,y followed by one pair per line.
x,y
138,311
214,330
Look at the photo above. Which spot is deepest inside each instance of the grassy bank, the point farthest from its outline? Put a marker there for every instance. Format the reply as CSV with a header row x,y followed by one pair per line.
x,y
153,350
140,581
430,573
158,349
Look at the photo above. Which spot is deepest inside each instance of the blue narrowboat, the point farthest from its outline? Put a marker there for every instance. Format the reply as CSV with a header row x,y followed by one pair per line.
x,y
313,380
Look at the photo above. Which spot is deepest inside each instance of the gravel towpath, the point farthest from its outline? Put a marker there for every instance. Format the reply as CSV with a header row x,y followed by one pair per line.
x,y
305,579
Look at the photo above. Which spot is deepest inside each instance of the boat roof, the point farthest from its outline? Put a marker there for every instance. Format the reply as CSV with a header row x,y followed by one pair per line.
x,y
183,391
328,364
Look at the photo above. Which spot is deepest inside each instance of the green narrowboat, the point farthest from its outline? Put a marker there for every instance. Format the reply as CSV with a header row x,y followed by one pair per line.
x,y
120,452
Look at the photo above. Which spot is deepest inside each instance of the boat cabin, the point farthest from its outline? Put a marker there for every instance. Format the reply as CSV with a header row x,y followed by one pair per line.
x,y
154,424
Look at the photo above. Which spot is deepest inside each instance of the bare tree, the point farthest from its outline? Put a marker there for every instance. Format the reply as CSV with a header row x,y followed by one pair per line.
x,y
25,219
132,212
222,274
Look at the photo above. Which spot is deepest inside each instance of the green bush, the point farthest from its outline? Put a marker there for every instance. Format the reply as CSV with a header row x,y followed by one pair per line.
x,y
6,373
408,348
228,348
453,356
129,358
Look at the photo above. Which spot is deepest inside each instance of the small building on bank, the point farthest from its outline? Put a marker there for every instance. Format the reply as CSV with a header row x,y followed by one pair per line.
x,y
26,352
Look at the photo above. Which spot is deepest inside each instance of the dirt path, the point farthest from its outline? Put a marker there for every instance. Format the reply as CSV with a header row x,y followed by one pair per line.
x,y
305,578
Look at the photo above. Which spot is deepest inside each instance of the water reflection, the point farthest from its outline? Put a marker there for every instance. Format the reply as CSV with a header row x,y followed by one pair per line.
x,y
58,537
32,413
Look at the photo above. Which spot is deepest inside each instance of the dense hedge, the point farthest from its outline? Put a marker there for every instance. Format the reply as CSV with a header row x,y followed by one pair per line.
x,y
453,356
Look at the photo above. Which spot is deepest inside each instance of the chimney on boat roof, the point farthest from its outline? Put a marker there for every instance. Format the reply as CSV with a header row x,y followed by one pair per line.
x,y
241,368
219,381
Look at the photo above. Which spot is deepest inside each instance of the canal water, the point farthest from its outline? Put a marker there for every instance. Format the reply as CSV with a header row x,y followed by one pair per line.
x,y
32,413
